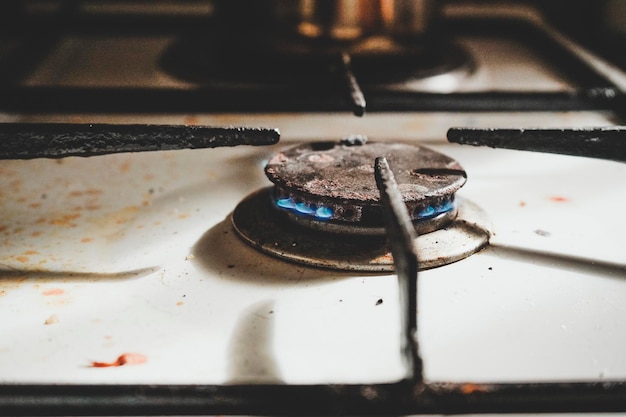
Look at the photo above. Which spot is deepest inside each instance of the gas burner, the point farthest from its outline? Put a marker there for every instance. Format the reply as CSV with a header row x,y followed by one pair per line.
x,y
376,61
325,207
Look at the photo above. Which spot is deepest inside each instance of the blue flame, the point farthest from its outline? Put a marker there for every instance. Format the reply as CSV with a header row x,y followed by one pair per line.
x,y
324,212
320,212
286,203
426,213
305,208
434,211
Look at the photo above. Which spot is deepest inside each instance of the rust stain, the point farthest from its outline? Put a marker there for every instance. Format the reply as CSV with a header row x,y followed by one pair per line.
x,y
183,216
93,207
15,184
65,220
191,120
126,214
93,191
54,292
522,204
75,194
36,233
385,259
123,359
125,166
3,228
180,303
86,240
22,259
34,205
31,252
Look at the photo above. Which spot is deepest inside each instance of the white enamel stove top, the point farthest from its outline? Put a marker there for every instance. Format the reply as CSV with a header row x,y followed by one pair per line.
x,y
135,253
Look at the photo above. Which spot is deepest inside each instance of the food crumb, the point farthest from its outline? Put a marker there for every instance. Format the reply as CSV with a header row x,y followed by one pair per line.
x,y
379,301
123,359
180,303
490,268
190,257
53,319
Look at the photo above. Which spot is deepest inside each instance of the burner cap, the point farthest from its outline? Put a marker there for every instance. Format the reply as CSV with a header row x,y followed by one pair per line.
x,y
330,186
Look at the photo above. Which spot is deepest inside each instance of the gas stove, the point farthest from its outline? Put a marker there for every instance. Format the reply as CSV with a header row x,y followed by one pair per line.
x,y
203,281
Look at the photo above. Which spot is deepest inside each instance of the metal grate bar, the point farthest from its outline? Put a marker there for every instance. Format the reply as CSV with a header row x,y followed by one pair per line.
x,y
402,235
60,140
602,143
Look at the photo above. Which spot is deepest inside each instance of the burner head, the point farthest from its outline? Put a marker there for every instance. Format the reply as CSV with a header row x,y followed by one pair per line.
x,y
330,186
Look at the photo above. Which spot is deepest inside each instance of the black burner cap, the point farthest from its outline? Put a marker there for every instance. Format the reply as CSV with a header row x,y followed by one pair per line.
x,y
334,181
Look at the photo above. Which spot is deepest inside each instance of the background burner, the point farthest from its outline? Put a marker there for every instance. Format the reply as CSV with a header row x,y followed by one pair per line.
x,y
376,61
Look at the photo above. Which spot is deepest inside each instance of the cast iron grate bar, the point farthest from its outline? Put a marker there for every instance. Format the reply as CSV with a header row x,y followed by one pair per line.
x,y
60,140
357,99
601,143
116,100
401,234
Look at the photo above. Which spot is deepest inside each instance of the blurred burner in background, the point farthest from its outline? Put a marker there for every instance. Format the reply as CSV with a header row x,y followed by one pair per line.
x,y
290,42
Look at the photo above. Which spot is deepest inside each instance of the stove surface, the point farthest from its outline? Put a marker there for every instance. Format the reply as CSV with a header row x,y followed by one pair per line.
x,y
137,254
133,257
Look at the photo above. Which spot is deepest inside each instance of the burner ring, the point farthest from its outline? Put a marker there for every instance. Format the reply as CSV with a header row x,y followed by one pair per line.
x,y
260,225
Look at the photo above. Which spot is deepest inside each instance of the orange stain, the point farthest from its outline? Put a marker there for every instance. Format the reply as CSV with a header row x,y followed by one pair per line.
x,y
191,120
123,359
125,166
86,240
54,291
558,199
65,220
22,259
31,252
471,388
